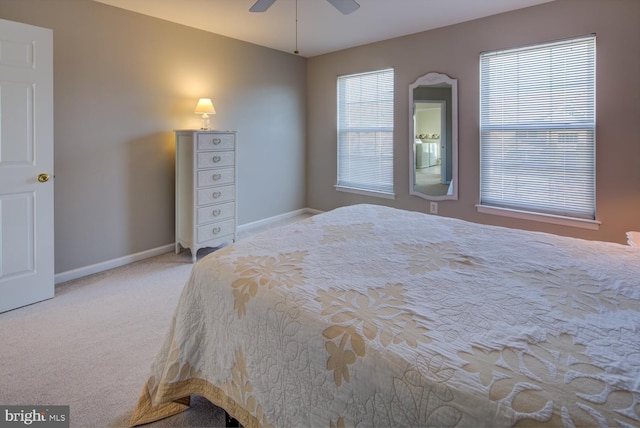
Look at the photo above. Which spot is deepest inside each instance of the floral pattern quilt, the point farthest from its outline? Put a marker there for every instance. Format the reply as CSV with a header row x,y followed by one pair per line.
x,y
373,316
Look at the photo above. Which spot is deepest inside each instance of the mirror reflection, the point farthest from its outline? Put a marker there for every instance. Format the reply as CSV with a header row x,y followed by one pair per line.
x,y
433,131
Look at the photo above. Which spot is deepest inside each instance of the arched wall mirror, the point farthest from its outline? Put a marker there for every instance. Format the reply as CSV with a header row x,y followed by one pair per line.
x,y
433,133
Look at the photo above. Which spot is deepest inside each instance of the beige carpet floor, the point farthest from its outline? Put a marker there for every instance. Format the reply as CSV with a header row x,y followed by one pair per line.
x,y
91,346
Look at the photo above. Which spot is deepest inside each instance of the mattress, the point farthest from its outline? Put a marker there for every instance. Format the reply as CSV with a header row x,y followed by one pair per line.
x,y
373,316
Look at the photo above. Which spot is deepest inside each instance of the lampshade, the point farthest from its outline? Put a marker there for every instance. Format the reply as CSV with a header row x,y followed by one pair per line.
x,y
205,106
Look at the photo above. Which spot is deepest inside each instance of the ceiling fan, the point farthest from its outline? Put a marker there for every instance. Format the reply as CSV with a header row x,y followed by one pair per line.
x,y
344,6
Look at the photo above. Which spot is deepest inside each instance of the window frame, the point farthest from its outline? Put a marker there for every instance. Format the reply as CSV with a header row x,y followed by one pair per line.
x,y
365,134
549,133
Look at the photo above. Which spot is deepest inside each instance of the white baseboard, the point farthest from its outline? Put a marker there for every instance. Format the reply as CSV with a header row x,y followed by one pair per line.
x,y
265,222
110,264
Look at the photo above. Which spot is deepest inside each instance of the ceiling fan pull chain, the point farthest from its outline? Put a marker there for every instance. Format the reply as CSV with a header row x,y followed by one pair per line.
x,y
296,51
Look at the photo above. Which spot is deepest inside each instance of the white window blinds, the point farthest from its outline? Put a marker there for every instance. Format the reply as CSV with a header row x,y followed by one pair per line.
x,y
365,131
537,128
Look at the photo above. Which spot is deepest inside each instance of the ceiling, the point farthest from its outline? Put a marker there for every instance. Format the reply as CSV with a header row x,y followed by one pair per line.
x,y
321,28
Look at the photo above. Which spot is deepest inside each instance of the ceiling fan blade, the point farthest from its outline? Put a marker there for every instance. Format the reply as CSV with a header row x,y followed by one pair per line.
x,y
345,6
261,5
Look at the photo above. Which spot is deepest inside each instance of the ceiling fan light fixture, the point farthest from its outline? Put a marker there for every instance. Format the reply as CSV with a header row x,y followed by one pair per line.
x,y
344,6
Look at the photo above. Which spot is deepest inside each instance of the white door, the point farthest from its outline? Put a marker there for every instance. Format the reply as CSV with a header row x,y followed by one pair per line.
x,y
26,165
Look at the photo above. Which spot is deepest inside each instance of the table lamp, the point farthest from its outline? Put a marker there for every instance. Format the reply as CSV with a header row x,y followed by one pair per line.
x,y
205,106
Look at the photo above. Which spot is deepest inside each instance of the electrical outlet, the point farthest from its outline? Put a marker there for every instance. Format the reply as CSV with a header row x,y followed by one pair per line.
x,y
433,208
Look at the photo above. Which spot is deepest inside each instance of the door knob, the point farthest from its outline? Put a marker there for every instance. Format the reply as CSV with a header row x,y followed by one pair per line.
x,y
43,178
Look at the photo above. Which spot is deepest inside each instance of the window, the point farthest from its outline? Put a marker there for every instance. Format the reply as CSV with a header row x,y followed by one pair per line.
x,y
365,133
537,129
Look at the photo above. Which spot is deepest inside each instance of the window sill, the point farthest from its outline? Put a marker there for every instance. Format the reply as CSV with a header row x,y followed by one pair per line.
x,y
384,195
544,218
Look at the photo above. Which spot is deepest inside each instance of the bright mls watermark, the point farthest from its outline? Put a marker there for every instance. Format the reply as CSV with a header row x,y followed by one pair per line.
x,y
34,416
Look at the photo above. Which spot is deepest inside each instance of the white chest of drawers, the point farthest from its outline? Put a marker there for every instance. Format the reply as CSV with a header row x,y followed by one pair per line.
x,y
205,189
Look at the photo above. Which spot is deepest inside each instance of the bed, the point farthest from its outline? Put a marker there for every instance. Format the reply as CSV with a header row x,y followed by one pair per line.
x,y
373,316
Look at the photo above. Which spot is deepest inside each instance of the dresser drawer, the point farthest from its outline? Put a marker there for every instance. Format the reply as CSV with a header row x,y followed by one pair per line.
x,y
216,212
214,195
215,230
215,159
216,141
214,177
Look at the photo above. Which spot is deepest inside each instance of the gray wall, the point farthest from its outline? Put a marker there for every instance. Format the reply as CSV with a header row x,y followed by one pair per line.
x,y
455,51
122,83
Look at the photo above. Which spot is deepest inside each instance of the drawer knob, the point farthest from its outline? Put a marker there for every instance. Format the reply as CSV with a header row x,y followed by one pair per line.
x,y
216,159
216,213
216,230
216,195
216,177
217,141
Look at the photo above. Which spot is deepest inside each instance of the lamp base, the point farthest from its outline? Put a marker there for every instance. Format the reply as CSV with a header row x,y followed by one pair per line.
x,y
205,124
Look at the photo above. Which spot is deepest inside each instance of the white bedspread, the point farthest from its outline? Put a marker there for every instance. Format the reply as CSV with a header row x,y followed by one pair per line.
x,y
372,316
